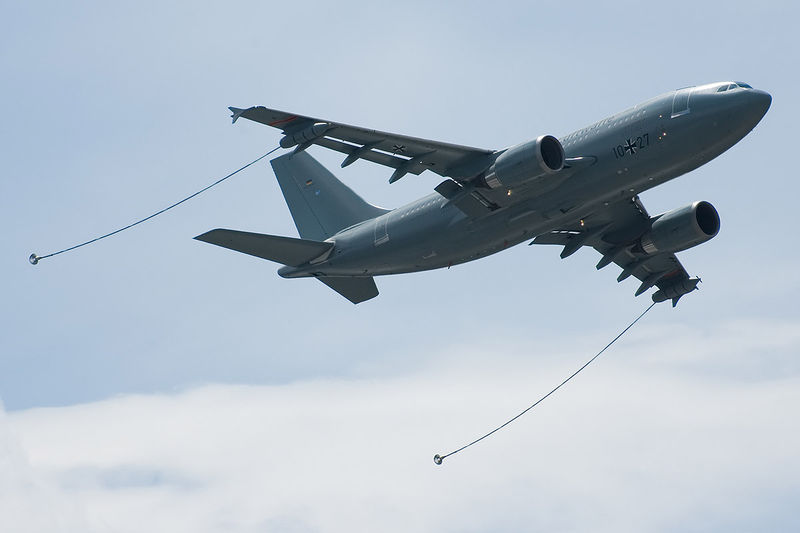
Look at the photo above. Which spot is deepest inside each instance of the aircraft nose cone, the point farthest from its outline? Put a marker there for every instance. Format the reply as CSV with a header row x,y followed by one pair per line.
x,y
761,101
751,105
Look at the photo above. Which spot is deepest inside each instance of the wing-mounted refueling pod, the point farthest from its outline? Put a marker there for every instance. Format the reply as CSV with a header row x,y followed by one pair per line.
x,y
303,137
674,291
643,246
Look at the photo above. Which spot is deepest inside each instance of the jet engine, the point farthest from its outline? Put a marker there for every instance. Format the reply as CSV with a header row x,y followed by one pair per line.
x,y
526,163
681,229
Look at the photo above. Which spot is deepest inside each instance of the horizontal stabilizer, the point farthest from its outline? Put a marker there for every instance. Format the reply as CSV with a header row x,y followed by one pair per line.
x,y
283,250
356,290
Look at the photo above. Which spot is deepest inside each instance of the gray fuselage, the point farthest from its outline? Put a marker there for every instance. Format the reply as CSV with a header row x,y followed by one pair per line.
x,y
632,151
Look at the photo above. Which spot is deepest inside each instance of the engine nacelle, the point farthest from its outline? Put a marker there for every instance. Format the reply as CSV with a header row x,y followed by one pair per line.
x,y
681,229
527,163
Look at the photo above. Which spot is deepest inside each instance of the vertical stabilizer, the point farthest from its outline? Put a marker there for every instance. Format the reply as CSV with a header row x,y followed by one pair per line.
x,y
320,204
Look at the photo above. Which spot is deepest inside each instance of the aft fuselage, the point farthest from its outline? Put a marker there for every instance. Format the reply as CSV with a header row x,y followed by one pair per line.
x,y
629,153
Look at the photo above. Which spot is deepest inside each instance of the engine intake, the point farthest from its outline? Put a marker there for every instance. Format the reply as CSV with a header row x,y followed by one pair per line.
x,y
681,229
527,163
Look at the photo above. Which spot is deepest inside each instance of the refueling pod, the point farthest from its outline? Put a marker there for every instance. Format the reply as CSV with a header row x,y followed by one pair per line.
x,y
674,291
304,136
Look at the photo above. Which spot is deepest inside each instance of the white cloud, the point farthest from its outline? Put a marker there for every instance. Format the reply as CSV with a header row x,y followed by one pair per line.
x,y
28,503
648,439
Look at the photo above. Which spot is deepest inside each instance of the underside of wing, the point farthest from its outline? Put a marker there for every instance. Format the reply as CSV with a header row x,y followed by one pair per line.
x,y
404,154
622,234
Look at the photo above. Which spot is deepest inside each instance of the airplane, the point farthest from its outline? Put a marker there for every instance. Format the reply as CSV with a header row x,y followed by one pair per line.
x,y
578,190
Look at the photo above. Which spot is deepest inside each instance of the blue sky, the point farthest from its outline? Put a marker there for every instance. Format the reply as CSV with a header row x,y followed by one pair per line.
x,y
113,111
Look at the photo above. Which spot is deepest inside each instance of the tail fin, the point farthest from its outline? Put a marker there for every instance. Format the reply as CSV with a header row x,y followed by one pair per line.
x,y
320,204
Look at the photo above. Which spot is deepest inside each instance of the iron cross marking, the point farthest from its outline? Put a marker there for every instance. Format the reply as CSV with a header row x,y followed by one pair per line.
x,y
630,146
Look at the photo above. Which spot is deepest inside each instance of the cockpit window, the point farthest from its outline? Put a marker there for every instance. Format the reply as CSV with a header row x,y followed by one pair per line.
x,y
732,86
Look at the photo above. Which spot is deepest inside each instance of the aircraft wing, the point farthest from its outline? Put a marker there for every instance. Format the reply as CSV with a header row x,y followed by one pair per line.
x,y
406,155
614,231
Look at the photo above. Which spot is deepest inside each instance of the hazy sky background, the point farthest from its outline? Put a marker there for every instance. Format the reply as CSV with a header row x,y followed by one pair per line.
x,y
152,382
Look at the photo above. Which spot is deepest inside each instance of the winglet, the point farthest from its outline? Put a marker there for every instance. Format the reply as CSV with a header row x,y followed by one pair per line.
x,y
236,113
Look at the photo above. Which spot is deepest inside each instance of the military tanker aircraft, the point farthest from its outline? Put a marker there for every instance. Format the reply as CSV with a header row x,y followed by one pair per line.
x,y
579,190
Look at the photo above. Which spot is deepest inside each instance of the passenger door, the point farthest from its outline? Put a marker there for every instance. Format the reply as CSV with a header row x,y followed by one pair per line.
x,y
680,102
381,229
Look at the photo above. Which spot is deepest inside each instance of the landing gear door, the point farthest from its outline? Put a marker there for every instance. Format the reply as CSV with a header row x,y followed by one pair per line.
x,y
680,102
